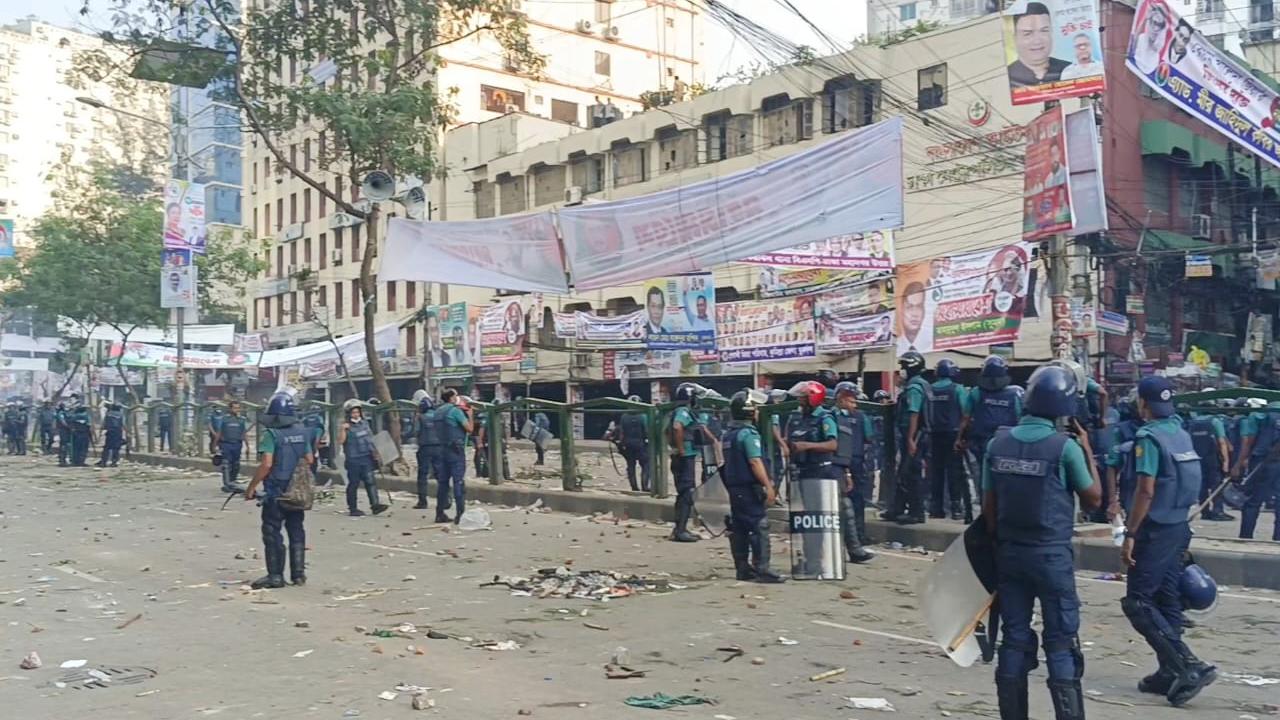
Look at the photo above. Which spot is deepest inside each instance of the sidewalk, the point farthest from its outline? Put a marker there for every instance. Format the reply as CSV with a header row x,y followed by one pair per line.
x,y
1231,562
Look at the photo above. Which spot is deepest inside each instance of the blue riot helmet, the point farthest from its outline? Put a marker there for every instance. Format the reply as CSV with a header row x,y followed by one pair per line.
x,y
281,411
744,403
688,393
1198,590
847,387
994,375
1234,495
422,399
947,369
1051,393
911,362
828,378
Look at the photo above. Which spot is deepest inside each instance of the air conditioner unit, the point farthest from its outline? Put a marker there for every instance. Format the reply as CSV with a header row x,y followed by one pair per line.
x,y
253,189
573,195
266,322
342,220
582,361
584,26
1201,226
611,33
335,257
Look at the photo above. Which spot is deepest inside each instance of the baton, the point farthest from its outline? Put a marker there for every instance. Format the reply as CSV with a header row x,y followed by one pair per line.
x,y
230,495
1218,491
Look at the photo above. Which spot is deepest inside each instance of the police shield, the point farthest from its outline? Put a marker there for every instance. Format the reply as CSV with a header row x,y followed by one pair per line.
x,y
386,447
814,522
956,596
537,435
711,502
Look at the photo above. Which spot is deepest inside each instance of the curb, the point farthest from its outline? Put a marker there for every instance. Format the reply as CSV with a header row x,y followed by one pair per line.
x,y
1232,568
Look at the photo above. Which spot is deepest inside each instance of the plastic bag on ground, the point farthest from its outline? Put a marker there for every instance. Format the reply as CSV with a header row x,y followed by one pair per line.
x,y
475,519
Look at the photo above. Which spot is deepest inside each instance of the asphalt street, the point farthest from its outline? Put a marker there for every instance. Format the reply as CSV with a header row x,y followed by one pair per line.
x,y
138,573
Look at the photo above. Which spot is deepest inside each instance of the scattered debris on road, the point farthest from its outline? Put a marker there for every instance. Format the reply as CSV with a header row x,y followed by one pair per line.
x,y
662,701
864,703
561,582
733,650
31,661
826,675
622,672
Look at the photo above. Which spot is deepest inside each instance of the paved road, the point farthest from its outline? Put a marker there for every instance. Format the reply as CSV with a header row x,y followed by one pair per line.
x,y
82,552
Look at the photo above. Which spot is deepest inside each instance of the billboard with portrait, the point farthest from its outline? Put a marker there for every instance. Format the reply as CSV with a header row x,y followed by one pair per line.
x,y
502,332
680,313
177,279
1046,193
447,340
855,318
960,301
765,330
184,218
1052,50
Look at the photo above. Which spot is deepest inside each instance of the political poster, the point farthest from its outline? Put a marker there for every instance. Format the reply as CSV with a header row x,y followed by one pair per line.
x,y
1178,62
250,342
1052,50
566,325
621,331
767,330
680,313
856,251
184,218
787,282
502,332
646,364
1084,318
134,354
6,238
447,340
1046,196
967,300
177,279
856,318
1113,323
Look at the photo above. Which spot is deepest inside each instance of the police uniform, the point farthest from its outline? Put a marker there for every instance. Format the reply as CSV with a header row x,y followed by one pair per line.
x,y
819,426
47,420
855,432
748,522
81,434
62,421
452,468
1152,601
635,448
1121,458
1207,432
542,421
314,423
913,400
112,436
1034,471
232,431
430,450
164,426
12,430
288,446
988,411
683,466
946,468
358,452
1264,463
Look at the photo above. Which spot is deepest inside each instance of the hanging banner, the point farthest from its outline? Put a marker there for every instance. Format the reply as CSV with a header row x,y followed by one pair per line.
x,y
1180,64
1199,266
566,325
1113,322
144,355
518,252
962,301
447,340
184,219
767,330
665,363
621,331
851,183
250,342
854,319
1268,269
1084,168
385,338
177,280
859,251
1084,318
1046,196
6,237
1135,305
786,282
1052,50
680,313
502,332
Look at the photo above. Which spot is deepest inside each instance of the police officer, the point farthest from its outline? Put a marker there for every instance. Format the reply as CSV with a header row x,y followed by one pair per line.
x,y
215,417
1209,438
229,439
62,421
707,440
751,492
430,447
854,435
1029,476
875,459
356,439
913,424
284,444
1260,437
684,457
632,435
47,419
993,404
946,466
112,435
313,421
10,421
456,423
541,420
1156,538
781,455
81,425
164,426
1122,477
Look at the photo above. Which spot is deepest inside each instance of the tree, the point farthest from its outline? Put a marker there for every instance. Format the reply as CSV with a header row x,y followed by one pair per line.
x,y
356,74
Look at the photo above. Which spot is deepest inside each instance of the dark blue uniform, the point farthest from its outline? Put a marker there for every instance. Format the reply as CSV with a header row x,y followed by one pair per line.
x,y
112,437
946,466
1204,438
635,449
48,419
288,447
915,399
233,429
430,450
62,421
850,457
164,426
359,463
1264,463
748,523
81,434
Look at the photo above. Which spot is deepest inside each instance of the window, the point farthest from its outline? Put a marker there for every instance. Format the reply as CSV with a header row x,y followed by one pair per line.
x,y
411,341
257,229
306,205
849,103
971,8
255,314
280,262
501,100
324,252
548,184
391,296
933,87
677,149
355,244
279,310
293,254
279,213
512,195
1261,11
338,305
630,164
355,298
588,174
266,213
410,295
306,252
323,299
603,63
483,191
306,306
1156,180
306,155
907,12
324,205
293,307
564,111
293,208
786,121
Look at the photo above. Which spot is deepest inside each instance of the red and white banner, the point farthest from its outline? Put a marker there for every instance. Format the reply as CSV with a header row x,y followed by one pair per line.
x,y
517,252
502,332
144,355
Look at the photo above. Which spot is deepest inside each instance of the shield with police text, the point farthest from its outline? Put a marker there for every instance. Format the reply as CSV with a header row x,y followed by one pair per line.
x,y
814,524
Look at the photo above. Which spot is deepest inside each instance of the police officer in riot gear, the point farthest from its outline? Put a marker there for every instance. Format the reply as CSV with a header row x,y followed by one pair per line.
x,y
1156,538
1122,477
454,424
47,418
1209,438
229,439
751,492
430,447
356,439
1029,476
112,435
913,426
81,425
633,439
993,404
62,421
1260,448
285,443
855,430
684,427
946,467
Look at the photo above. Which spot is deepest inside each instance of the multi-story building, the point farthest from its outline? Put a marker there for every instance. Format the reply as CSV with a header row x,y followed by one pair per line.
x,y
885,17
43,127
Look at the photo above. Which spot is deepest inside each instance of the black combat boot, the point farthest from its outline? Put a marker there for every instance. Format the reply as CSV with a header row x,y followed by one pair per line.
x,y
1068,699
375,507
298,564
441,517
740,549
1194,677
1012,696
760,551
684,511
1157,683
422,503
275,569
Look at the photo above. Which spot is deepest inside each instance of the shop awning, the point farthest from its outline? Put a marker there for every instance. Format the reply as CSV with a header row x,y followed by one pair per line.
x,y
1168,240
1161,137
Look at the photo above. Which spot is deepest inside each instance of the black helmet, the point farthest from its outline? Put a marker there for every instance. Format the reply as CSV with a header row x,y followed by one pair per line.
x,y
828,378
995,374
689,393
948,369
281,411
1051,393
425,403
912,362
845,386
743,404
882,396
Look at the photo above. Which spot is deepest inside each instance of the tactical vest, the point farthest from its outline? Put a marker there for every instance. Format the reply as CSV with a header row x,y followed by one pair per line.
x,y
852,440
429,429
926,406
1203,439
114,421
1033,505
80,420
454,436
1178,481
993,410
359,440
633,435
808,428
737,469
46,418
232,429
946,408
1267,437
1126,433
292,446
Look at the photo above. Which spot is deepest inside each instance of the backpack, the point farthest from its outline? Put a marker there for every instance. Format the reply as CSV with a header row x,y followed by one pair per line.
x,y
300,494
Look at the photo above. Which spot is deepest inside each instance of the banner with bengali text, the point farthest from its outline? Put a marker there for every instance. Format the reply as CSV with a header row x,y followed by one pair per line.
x,y
502,332
856,251
765,330
857,318
961,301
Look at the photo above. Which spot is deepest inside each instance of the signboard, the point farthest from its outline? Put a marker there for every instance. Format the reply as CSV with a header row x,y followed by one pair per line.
x,y
1084,167
665,364
184,219
1199,266
856,251
857,318
1268,269
1084,318
1112,322
1046,195
1052,50
765,330
786,282
1180,64
1135,305
624,330
680,313
502,332
144,355
961,301
177,279
6,237
566,325
529,363
250,342
447,340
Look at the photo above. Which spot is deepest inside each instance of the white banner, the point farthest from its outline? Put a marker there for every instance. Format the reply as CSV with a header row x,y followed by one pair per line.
x,y
858,318
502,332
566,325
518,252
860,251
765,330
191,334
849,184
385,338
622,331
144,355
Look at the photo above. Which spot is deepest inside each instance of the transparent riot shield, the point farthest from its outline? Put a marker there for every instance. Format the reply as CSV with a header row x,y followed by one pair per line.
x,y
814,521
711,503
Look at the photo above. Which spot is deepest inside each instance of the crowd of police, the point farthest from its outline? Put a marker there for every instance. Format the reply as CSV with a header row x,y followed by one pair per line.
x,y
66,428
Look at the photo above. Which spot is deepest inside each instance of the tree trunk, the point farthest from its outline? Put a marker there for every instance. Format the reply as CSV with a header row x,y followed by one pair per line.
x,y
124,340
368,296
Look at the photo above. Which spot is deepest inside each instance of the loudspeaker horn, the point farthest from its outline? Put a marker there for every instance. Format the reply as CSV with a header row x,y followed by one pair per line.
x,y
415,202
378,186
